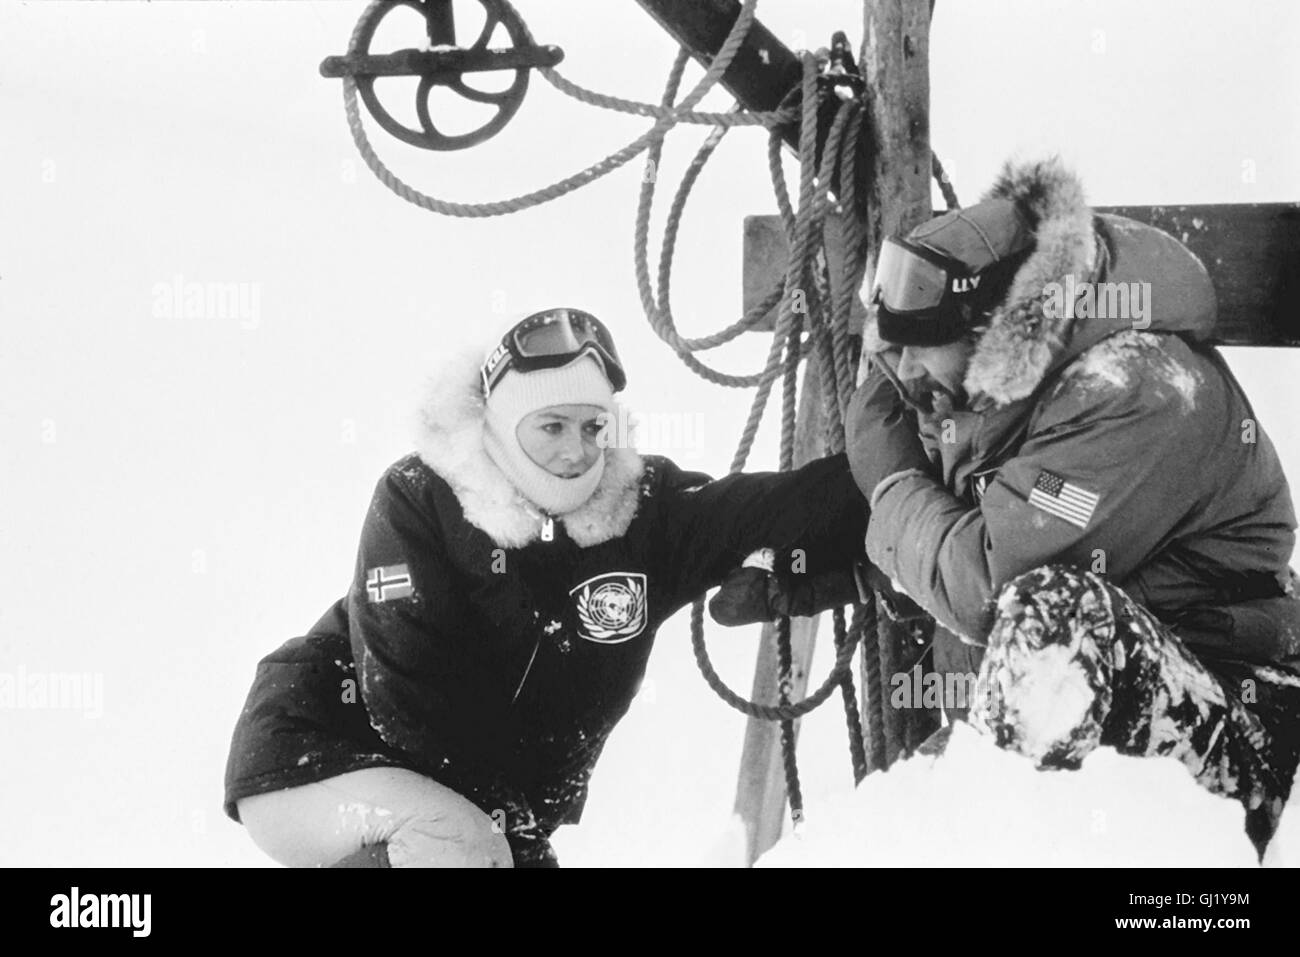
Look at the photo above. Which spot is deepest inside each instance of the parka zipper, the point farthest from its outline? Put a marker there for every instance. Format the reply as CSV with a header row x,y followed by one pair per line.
x,y
548,535
531,659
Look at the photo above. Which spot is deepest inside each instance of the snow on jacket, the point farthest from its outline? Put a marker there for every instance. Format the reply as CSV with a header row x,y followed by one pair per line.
x,y
1107,443
495,650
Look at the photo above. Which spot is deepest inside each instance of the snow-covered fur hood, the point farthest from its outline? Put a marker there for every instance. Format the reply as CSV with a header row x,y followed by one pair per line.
x,y
449,439
1017,349
1022,343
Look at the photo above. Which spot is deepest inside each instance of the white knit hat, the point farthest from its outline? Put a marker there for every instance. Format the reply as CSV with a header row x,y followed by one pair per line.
x,y
518,394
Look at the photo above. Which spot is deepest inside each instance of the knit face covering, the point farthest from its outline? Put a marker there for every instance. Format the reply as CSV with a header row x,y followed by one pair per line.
x,y
519,394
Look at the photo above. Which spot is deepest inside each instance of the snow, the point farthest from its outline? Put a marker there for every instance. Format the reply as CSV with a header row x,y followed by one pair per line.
x,y
1185,381
1112,361
1051,700
978,805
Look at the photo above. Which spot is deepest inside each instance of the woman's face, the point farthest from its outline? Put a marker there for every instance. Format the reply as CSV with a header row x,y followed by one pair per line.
x,y
563,439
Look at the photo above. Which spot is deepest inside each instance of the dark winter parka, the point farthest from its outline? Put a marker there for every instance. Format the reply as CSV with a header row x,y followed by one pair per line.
x,y
1118,443
494,648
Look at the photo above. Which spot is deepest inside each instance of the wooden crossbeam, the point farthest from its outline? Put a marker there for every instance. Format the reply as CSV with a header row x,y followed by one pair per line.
x,y
764,69
1251,251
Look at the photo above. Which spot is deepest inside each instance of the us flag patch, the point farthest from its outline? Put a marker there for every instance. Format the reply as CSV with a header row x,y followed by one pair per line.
x,y
389,581
1055,495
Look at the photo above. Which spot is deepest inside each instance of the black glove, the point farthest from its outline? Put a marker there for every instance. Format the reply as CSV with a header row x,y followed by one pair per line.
x,y
881,433
750,595
744,598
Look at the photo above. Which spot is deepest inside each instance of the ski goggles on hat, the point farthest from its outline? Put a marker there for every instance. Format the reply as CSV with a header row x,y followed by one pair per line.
x,y
916,294
551,339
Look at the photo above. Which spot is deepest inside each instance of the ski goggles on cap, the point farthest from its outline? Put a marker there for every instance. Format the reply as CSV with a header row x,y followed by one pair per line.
x,y
911,278
551,339
917,294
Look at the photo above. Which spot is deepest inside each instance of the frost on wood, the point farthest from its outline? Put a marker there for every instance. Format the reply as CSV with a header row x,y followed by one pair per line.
x,y
978,805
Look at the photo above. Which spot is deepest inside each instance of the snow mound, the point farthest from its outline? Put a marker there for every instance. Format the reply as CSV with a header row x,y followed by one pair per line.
x,y
978,805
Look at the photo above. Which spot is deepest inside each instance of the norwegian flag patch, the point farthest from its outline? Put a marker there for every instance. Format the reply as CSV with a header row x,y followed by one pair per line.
x,y
388,582
1067,501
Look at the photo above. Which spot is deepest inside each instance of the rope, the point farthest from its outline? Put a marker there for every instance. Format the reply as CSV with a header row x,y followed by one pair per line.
x,y
945,184
636,108
661,320
855,243
800,254
658,310
852,715
671,227
789,762
871,688
774,143
785,679
812,205
838,382
768,712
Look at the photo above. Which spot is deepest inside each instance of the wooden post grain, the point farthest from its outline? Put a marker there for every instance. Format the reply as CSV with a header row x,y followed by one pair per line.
x,y
895,64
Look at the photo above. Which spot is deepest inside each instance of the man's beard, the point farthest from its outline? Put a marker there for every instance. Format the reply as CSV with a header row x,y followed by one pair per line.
x,y
930,396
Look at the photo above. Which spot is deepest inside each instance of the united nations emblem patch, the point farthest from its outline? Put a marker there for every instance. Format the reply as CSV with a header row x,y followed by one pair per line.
x,y
612,607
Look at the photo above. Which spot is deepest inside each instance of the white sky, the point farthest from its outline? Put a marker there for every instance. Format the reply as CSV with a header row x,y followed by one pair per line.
x,y
180,496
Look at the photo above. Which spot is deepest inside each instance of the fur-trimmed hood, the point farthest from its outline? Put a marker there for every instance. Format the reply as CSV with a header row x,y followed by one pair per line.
x,y
449,439
1022,343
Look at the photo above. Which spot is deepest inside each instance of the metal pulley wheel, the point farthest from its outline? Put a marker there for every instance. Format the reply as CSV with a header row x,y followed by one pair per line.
x,y
443,64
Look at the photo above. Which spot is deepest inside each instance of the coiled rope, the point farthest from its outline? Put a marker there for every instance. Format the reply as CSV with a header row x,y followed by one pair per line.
x,y
804,231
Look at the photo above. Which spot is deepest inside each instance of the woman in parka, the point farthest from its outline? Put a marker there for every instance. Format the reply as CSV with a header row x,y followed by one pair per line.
x,y
511,576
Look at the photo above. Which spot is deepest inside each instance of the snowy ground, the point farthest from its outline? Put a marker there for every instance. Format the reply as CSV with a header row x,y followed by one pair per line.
x,y
980,806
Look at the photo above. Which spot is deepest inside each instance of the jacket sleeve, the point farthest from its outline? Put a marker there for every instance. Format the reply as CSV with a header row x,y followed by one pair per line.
x,y
1100,482
814,519
424,689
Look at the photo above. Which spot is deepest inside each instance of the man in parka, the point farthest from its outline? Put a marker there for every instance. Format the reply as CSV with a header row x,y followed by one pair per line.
x,y
1069,480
